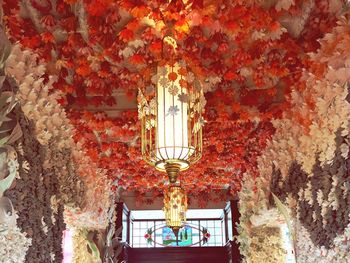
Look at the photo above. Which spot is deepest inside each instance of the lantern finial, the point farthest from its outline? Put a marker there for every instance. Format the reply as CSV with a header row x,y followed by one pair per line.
x,y
172,170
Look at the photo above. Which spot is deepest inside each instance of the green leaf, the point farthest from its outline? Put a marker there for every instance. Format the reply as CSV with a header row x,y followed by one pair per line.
x,y
284,211
4,140
7,181
12,104
95,252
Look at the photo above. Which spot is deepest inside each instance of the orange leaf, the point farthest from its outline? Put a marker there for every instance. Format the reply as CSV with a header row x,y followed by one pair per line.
x,y
232,26
182,26
140,11
236,107
275,26
183,83
133,25
220,147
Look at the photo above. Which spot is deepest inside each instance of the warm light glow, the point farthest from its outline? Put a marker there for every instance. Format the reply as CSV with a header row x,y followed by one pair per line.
x,y
175,206
172,122
170,108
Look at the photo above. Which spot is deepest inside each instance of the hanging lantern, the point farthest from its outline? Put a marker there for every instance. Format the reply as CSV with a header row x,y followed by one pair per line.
x,y
170,109
175,207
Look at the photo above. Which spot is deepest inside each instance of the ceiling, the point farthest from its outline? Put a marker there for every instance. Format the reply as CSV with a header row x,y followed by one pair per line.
x,y
247,55
215,201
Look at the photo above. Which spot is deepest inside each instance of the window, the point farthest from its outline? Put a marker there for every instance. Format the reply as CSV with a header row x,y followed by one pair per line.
x,y
197,219
229,224
125,220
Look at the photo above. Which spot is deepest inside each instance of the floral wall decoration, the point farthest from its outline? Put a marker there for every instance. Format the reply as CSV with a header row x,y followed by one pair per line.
x,y
34,196
84,247
309,252
307,165
14,242
79,186
31,216
322,202
267,244
98,245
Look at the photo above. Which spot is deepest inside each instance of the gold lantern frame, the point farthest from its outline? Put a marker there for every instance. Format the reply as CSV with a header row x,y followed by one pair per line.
x,y
175,207
187,98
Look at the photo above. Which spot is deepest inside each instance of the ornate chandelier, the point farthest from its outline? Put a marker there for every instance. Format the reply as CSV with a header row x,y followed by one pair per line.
x,y
175,207
170,109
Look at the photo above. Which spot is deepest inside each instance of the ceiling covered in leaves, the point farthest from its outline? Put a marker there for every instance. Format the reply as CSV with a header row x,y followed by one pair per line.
x,y
249,55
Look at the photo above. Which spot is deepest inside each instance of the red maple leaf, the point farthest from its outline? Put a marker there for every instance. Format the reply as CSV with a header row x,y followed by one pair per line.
x,y
140,11
31,42
137,59
83,70
156,46
47,37
126,35
98,7
230,75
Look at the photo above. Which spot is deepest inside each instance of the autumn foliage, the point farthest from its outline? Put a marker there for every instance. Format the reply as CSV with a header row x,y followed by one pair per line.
x,y
248,54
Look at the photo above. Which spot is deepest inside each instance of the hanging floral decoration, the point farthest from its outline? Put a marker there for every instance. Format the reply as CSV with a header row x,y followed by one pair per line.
x,y
247,70
275,95
307,165
14,240
63,159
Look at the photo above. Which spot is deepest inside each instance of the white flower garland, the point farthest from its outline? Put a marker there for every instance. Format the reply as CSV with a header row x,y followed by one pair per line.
x,y
53,127
307,252
323,103
13,245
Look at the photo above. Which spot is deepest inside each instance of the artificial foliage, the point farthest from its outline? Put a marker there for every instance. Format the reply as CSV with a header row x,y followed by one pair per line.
x,y
307,165
308,252
274,74
84,250
33,197
101,245
247,54
14,242
53,131
267,244
322,199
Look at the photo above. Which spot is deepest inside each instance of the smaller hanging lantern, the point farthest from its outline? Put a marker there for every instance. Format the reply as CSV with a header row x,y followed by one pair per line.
x,y
175,207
